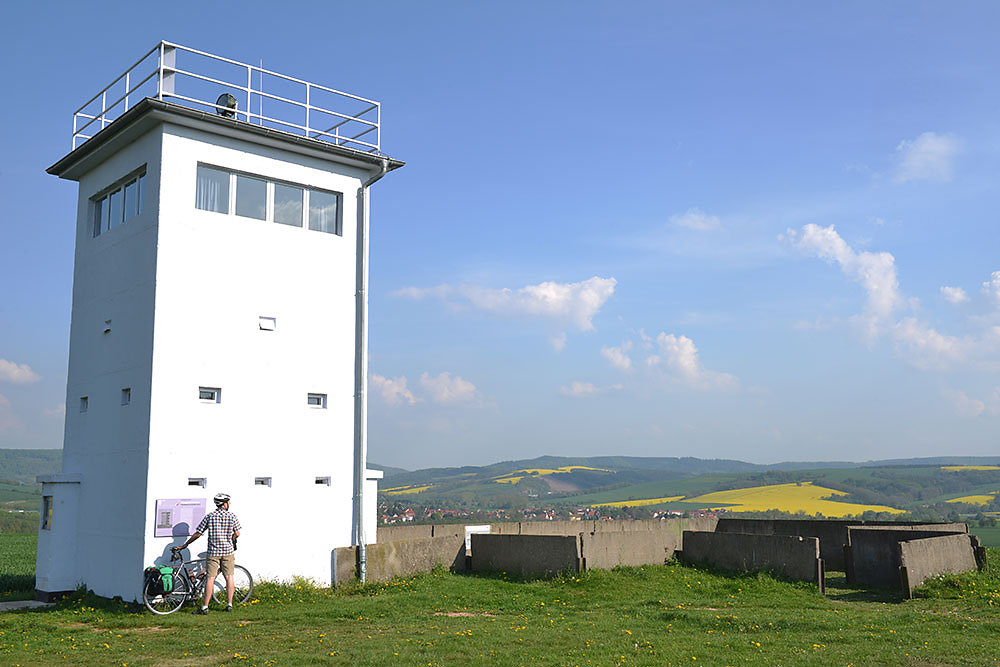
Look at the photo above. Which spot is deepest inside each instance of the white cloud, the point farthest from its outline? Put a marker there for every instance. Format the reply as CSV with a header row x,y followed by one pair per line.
x,y
618,356
58,411
17,373
393,391
929,157
9,421
921,344
926,348
447,389
567,303
954,295
679,356
876,272
695,218
992,287
965,406
586,389
558,341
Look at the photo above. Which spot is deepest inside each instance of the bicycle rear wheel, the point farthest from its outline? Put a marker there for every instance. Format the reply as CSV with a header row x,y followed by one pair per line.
x,y
242,582
165,603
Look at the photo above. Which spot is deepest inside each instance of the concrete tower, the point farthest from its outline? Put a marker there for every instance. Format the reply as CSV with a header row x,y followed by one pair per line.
x,y
219,332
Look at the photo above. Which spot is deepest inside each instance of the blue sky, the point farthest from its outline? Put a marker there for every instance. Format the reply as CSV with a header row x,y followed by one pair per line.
x,y
764,231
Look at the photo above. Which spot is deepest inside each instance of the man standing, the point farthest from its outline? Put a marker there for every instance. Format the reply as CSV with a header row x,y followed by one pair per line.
x,y
223,528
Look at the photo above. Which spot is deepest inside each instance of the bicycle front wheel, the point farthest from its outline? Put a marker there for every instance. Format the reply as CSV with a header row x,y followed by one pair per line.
x,y
242,586
159,602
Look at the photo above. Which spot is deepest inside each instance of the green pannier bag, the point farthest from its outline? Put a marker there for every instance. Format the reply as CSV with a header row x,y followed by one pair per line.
x,y
167,578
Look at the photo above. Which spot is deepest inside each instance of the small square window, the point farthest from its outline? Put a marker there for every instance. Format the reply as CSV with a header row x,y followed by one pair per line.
x,y
267,323
316,400
126,395
197,481
46,512
84,403
325,481
262,481
210,394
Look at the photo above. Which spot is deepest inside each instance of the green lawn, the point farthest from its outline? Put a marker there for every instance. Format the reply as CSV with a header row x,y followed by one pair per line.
x,y
660,615
17,566
988,537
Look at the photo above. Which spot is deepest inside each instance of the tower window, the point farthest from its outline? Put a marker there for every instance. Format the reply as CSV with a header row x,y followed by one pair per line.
x,y
266,199
251,197
126,395
316,400
119,203
262,481
197,481
323,480
324,212
46,512
288,204
84,403
210,394
212,190
267,323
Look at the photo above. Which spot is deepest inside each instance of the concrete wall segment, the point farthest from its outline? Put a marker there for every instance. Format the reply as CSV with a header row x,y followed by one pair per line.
x,y
526,555
790,556
923,559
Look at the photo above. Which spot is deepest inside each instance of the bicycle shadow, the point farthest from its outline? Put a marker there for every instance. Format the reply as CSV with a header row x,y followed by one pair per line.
x,y
181,531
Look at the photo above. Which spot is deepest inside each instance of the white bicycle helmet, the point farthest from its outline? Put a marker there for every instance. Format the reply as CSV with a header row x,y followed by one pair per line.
x,y
221,499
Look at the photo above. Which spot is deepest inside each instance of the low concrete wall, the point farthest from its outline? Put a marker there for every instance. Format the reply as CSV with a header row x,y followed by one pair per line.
x,y
925,558
397,533
832,533
604,551
527,555
400,559
788,555
872,552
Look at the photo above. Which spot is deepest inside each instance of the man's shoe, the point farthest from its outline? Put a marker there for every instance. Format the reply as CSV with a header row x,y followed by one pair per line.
x,y
200,611
228,608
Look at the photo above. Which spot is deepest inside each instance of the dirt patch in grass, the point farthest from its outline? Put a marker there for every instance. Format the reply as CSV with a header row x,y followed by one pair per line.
x,y
456,614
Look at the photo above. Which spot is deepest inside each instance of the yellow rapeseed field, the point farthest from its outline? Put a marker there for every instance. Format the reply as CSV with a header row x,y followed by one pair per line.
x,y
518,475
960,468
807,497
639,503
399,490
985,499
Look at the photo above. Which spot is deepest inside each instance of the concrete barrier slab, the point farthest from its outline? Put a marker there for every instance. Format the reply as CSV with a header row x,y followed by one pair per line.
x,y
526,555
923,559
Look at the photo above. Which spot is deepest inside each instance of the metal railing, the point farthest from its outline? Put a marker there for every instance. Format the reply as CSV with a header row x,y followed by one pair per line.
x,y
293,105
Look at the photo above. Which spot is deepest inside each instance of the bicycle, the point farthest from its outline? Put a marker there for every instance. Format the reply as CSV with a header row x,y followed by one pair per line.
x,y
189,584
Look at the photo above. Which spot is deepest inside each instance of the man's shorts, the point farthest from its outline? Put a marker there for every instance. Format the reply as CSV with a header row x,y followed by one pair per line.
x,y
224,563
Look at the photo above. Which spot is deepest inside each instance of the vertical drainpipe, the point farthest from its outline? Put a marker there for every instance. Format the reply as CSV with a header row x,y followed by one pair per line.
x,y
361,369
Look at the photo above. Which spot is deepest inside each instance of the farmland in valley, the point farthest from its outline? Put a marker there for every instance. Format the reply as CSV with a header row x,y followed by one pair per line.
x,y
798,497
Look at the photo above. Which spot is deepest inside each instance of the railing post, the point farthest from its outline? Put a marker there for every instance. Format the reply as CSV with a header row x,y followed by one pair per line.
x,y
249,88
104,103
307,110
159,77
378,126
128,87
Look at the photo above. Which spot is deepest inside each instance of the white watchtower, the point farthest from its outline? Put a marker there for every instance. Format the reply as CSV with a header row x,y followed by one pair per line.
x,y
219,324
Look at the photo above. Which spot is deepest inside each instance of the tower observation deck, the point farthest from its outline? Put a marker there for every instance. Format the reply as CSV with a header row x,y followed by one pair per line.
x,y
199,80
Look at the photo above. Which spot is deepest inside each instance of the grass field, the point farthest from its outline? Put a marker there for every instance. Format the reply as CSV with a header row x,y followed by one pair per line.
x,y
17,566
659,615
988,536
